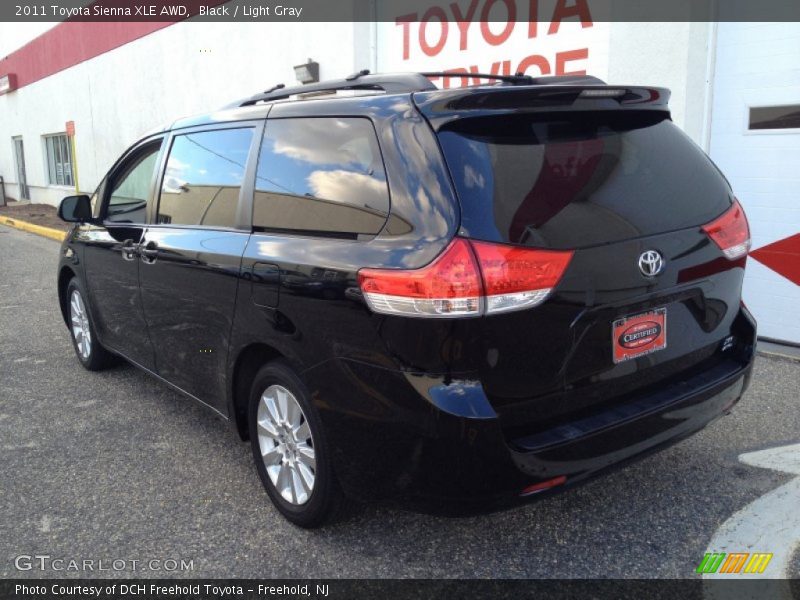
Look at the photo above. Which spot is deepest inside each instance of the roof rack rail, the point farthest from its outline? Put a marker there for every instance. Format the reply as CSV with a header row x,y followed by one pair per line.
x,y
394,83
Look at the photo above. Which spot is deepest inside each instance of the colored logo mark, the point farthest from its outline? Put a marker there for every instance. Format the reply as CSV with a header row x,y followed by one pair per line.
x,y
734,562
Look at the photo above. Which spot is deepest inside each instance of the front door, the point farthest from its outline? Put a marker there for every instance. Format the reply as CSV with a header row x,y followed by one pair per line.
x,y
191,254
22,179
111,254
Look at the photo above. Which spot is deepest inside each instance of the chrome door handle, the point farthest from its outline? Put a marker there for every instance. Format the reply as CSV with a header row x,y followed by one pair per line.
x,y
149,252
129,250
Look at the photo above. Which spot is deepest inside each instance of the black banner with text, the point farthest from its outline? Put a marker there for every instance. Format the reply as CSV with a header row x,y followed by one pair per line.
x,y
385,10
349,589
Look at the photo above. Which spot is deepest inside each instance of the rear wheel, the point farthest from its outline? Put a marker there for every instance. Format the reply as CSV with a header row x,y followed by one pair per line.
x,y
91,354
290,448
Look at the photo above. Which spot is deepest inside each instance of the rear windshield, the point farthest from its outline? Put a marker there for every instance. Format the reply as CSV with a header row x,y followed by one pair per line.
x,y
579,179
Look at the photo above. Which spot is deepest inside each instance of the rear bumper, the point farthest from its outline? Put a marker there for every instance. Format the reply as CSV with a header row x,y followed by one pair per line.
x,y
437,442
581,448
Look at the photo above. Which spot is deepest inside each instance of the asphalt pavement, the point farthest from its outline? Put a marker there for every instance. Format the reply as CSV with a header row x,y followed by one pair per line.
x,y
116,466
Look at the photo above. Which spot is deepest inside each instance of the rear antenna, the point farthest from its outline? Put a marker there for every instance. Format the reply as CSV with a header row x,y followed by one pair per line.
x,y
356,75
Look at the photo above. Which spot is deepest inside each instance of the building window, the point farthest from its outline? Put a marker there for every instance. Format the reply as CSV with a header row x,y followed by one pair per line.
x,y
59,159
775,117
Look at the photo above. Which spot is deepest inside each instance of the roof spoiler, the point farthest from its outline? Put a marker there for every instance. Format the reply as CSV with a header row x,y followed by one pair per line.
x,y
521,79
443,106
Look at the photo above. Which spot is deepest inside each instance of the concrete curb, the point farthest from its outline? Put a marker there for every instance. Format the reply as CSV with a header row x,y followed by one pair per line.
x,y
778,350
773,354
48,232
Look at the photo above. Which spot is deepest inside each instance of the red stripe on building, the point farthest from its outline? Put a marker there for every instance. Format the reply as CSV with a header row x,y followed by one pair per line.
x,y
68,44
83,38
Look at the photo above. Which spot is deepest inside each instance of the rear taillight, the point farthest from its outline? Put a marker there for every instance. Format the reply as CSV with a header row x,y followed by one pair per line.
x,y
730,232
468,279
515,278
450,286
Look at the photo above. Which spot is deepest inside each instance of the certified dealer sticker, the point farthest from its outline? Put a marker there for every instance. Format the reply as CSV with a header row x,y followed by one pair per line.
x,y
640,334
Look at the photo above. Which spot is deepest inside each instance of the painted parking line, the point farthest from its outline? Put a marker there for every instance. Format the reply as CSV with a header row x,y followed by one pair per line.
x,y
758,541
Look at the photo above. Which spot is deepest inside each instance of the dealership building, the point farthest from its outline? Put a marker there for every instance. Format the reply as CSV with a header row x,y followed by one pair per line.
x,y
74,96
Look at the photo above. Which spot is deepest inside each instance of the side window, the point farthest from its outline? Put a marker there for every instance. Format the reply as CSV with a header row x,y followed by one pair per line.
x,y
127,202
203,176
320,176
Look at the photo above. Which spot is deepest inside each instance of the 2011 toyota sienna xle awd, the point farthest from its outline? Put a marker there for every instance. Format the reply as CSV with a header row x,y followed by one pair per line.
x,y
461,296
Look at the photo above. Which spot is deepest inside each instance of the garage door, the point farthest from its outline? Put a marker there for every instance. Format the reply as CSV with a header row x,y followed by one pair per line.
x,y
755,139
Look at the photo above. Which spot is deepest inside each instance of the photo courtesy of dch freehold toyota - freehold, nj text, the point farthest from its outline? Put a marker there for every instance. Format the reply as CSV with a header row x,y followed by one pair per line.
x,y
365,299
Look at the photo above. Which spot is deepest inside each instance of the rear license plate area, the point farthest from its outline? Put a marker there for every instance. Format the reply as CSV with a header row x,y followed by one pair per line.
x,y
639,334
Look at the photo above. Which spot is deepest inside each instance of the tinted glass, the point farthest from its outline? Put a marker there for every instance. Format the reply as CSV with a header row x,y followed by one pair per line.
x,y
775,117
203,176
322,176
127,202
579,179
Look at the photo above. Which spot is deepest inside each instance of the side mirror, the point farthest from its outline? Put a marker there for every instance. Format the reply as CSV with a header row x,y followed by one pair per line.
x,y
76,209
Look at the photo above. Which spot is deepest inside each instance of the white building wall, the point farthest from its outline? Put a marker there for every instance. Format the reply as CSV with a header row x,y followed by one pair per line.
x,y
16,35
758,65
182,69
672,55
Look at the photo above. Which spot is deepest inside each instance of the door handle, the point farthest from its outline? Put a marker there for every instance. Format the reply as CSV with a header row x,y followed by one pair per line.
x,y
129,250
149,252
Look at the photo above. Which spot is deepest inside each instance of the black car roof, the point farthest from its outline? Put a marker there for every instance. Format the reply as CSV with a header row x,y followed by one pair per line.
x,y
375,93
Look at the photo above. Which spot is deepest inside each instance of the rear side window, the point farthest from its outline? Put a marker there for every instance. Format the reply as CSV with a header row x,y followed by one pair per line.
x,y
320,176
202,179
571,180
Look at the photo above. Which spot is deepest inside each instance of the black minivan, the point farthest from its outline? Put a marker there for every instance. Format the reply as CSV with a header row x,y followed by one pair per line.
x,y
461,297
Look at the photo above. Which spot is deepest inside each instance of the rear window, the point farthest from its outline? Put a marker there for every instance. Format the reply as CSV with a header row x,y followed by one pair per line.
x,y
577,179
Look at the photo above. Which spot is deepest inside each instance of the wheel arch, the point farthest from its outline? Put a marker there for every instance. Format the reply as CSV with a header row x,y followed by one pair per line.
x,y
65,275
248,362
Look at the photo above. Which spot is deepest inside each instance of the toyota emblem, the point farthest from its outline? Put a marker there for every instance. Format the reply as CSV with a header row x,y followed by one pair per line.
x,y
651,263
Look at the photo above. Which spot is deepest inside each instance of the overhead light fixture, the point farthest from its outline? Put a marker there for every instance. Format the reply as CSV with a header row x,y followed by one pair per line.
x,y
307,73
8,83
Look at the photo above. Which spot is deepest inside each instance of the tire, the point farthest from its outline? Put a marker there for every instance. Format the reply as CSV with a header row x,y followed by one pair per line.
x,y
290,448
91,354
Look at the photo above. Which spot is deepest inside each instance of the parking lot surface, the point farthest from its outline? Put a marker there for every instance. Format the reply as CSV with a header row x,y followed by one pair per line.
x,y
116,466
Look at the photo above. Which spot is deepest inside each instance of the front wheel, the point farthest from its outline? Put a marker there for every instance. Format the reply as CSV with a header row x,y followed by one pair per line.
x,y
91,354
290,448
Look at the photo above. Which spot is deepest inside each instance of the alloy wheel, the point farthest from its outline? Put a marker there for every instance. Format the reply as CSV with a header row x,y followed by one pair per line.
x,y
80,325
286,444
